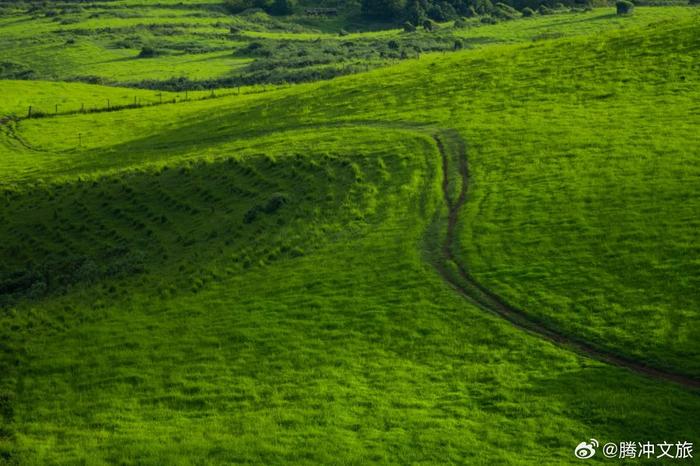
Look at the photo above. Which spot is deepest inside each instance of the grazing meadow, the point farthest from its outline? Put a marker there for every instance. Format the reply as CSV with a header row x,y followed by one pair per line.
x,y
261,274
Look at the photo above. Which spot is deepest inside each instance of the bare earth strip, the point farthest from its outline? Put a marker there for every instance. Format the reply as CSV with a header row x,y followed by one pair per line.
x,y
479,295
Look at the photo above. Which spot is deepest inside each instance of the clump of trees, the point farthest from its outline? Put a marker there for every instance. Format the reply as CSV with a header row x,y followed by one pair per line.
x,y
416,12
383,9
273,7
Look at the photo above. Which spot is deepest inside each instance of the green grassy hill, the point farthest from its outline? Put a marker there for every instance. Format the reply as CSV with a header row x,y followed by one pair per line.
x,y
262,278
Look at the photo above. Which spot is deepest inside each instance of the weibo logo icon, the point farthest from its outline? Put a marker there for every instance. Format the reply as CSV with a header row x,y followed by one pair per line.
x,y
585,450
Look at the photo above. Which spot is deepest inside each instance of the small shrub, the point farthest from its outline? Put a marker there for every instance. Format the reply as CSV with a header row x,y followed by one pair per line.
x,y
408,27
255,49
505,12
429,25
148,52
237,6
528,12
488,20
460,23
624,7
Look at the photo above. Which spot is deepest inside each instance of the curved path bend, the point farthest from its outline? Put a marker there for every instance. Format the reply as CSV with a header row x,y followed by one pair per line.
x,y
482,297
453,148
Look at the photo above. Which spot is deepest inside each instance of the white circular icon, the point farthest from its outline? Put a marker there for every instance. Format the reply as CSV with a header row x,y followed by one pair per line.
x,y
585,450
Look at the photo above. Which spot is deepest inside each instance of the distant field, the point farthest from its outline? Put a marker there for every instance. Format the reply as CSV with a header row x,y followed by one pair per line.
x,y
204,47
45,96
261,278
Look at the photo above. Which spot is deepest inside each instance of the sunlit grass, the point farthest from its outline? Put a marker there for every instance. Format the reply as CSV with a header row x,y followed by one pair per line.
x,y
315,329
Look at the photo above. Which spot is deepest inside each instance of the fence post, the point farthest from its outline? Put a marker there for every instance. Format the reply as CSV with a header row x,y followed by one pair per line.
x,y
107,104
56,109
82,108
29,113
80,139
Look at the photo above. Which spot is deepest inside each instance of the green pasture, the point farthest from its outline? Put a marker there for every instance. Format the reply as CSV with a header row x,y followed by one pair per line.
x,y
251,279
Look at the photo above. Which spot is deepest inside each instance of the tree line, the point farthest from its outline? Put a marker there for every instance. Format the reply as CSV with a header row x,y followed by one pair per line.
x,y
416,12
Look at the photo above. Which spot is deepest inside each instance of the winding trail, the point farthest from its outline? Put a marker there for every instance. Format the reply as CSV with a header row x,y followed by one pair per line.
x,y
453,148
472,290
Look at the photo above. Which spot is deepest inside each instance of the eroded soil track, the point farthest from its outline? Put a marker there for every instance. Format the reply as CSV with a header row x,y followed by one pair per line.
x,y
452,148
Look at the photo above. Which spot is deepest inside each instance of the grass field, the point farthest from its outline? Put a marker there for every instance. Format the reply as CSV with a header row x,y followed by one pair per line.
x,y
260,278
201,46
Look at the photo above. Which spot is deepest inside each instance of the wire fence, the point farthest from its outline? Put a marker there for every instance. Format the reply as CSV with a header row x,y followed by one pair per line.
x,y
110,105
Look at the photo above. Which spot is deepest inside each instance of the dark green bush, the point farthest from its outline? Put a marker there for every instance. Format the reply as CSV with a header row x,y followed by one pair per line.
x,y
147,52
237,6
448,11
624,7
436,14
282,7
505,12
460,23
382,9
415,13
483,7
528,12
408,27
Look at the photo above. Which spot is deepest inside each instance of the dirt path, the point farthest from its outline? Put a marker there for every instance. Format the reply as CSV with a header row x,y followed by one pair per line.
x,y
9,129
479,295
452,147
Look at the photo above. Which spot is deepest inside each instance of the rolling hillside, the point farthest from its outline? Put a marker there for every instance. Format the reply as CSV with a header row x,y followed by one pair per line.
x,y
315,274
